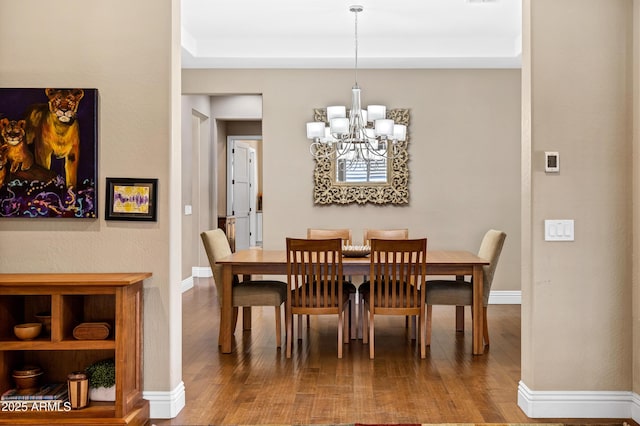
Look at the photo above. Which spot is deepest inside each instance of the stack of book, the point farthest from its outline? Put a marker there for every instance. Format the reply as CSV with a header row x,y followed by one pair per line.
x,y
53,392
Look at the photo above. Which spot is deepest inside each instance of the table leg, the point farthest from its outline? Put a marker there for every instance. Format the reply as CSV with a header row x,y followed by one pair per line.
x,y
246,310
226,310
246,317
478,344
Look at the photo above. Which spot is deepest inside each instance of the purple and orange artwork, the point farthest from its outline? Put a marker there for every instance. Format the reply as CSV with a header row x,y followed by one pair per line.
x,y
48,153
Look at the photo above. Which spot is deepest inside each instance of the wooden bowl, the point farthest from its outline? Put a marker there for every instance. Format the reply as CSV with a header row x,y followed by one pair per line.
x,y
27,382
27,370
356,251
27,331
28,377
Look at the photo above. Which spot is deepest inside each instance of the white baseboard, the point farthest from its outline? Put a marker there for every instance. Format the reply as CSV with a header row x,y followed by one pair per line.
x,y
187,284
201,271
196,272
505,297
165,405
635,408
578,404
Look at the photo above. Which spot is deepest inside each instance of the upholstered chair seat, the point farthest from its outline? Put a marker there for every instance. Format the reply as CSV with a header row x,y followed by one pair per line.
x,y
246,293
459,292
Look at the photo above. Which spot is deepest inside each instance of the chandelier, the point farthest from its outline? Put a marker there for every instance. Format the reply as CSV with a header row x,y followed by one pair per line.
x,y
358,134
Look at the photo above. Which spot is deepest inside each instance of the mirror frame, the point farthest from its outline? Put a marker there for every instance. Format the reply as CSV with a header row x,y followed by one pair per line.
x,y
326,190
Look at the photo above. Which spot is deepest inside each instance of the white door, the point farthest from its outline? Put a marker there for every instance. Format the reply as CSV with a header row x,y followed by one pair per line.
x,y
239,201
253,196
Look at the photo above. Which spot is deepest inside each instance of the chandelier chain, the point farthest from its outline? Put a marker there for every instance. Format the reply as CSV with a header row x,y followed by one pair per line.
x,y
356,45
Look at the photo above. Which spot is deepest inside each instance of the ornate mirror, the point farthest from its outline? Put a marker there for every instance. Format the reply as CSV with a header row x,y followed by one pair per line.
x,y
345,179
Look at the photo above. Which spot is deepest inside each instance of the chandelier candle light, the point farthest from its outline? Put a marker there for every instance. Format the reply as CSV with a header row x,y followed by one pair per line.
x,y
362,135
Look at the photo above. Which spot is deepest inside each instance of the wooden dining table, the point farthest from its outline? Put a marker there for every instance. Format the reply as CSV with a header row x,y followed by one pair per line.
x,y
274,262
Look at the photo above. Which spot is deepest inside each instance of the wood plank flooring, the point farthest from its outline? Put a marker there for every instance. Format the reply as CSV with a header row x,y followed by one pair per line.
x,y
258,385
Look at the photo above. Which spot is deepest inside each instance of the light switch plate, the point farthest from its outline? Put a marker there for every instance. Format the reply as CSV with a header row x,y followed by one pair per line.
x,y
188,210
559,230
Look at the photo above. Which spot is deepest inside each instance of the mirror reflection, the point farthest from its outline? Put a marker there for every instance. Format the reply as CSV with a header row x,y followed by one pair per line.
x,y
353,168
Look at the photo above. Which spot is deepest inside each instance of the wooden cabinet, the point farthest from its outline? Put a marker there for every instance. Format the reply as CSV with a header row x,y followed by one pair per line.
x,y
115,298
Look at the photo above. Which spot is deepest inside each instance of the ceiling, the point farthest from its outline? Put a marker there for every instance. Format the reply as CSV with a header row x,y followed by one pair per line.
x,y
321,34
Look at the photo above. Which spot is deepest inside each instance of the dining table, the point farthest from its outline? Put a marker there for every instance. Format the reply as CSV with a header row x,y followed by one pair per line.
x,y
257,261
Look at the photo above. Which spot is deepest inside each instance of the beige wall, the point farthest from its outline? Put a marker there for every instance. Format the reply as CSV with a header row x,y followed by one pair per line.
x,y
73,43
465,145
577,333
196,180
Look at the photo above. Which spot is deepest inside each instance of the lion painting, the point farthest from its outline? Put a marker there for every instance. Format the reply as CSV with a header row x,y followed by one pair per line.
x,y
53,129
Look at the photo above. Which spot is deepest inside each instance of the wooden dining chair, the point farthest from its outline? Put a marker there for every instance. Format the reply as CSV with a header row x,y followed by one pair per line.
x,y
246,293
397,274
315,284
385,234
345,235
459,292
321,234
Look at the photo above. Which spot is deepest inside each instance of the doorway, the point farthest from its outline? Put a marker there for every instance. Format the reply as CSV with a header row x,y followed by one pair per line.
x,y
243,182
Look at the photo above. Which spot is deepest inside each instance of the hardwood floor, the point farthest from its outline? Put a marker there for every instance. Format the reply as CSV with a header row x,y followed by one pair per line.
x,y
258,385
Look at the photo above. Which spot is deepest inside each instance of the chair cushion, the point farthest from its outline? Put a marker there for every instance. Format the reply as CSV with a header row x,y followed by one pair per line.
x,y
449,292
350,287
259,293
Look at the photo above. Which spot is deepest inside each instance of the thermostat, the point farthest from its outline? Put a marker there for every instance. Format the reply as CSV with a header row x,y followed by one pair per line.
x,y
551,162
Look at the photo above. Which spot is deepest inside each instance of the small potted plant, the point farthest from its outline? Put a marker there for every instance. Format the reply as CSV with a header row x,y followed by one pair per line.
x,y
102,380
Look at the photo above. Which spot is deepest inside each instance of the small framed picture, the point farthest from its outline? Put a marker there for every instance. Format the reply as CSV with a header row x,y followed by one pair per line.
x,y
131,199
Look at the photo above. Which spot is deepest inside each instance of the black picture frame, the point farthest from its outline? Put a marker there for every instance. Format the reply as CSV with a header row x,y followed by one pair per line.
x,y
133,199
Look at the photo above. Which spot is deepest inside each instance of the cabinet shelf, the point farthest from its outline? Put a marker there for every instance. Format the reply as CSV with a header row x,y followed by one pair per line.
x,y
48,345
71,299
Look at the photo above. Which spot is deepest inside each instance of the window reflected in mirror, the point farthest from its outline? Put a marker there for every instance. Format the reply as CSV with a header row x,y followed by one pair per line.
x,y
352,168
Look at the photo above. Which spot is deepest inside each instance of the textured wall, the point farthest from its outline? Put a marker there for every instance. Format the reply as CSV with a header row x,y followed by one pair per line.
x,y
577,295
95,45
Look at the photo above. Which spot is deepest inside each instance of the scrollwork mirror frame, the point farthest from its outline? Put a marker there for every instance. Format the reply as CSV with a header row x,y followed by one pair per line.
x,y
395,191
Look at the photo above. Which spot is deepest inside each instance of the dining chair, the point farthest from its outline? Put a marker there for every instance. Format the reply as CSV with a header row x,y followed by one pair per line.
x,y
459,292
315,284
319,234
397,273
385,234
245,293
345,235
